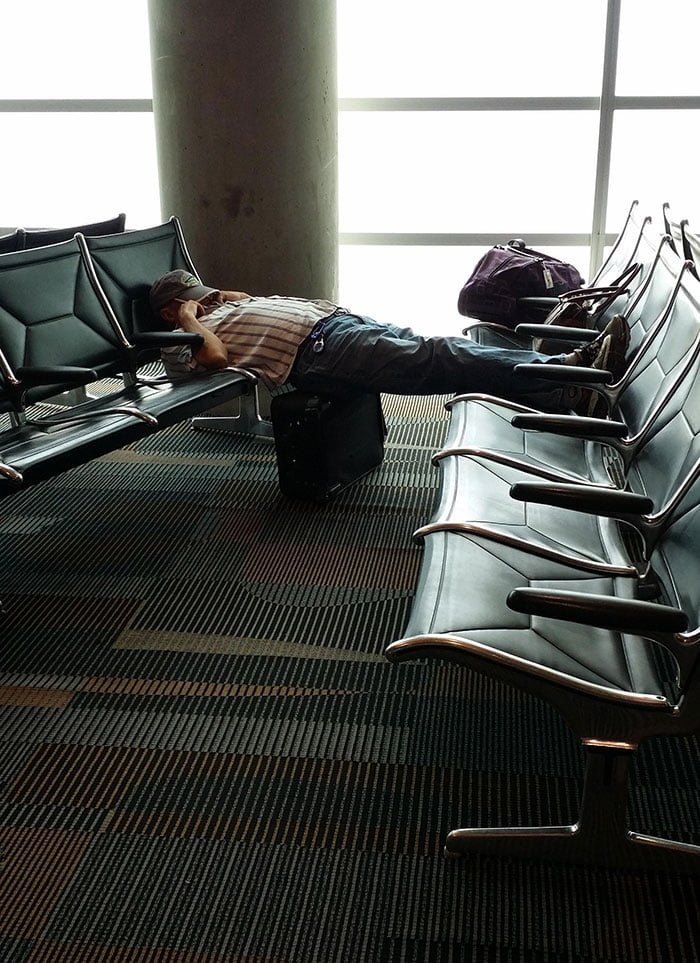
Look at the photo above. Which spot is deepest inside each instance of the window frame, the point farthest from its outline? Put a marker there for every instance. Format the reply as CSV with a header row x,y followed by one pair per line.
x,y
606,106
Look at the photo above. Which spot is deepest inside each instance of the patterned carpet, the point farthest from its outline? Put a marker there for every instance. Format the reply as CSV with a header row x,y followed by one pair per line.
x,y
204,755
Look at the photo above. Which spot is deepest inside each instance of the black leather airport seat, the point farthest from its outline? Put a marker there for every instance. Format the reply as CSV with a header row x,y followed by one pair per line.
x,y
125,266
648,302
39,237
57,333
691,246
587,644
673,228
625,249
563,561
569,448
11,242
39,449
54,331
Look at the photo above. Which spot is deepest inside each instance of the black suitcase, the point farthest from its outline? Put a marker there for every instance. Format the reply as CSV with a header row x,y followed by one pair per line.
x,y
323,444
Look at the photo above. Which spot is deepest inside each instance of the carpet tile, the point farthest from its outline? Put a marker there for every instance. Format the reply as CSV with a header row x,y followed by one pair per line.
x,y
206,758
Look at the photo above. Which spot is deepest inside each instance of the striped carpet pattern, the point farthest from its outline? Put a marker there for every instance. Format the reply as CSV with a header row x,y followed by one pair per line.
x,y
204,755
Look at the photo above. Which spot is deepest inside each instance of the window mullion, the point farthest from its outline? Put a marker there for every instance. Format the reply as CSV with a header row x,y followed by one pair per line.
x,y
605,131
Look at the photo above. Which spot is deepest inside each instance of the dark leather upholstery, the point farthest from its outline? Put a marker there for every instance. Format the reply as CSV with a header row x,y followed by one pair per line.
x,y
51,315
691,247
58,330
480,615
39,237
126,266
562,558
476,488
11,242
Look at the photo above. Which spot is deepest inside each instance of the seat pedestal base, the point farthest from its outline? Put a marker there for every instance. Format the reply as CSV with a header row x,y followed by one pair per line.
x,y
248,421
599,837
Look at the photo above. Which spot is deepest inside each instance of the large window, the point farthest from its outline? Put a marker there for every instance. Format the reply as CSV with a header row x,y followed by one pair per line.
x,y
76,121
460,124
463,124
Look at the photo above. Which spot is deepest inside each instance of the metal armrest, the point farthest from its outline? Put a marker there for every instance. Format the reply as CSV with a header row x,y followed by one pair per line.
x,y
591,294
566,373
595,499
557,332
166,339
55,375
10,474
493,325
539,301
576,426
605,612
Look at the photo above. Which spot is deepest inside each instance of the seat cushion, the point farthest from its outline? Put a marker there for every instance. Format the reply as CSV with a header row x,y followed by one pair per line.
x,y
462,591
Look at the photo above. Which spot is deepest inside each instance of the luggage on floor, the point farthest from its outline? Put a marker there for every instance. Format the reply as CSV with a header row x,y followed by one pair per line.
x,y
323,444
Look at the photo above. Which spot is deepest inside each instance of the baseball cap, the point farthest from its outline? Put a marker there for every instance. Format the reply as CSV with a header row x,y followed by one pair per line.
x,y
177,284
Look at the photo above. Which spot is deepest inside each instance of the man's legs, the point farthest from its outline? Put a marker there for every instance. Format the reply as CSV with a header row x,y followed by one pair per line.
x,y
362,355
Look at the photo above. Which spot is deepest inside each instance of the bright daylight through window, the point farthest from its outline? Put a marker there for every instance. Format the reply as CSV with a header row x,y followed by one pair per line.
x,y
460,124
464,124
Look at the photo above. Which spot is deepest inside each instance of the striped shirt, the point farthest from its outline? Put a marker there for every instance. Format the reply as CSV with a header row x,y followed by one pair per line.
x,y
261,335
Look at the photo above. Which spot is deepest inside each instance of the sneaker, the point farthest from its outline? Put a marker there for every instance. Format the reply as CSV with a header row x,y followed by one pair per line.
x,y
619,332
588,401
597,404
588,355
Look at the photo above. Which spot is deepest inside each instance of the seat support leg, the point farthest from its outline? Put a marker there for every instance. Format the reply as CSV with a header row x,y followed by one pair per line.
x,y
598,838
248,421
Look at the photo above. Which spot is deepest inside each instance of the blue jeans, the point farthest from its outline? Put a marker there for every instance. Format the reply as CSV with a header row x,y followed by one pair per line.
x,y
362,355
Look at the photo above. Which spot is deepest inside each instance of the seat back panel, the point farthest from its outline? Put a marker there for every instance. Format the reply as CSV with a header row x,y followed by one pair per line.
x,y
126,266
51,315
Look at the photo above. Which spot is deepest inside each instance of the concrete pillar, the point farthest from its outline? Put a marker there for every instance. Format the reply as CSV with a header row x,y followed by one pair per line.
x,y
246,126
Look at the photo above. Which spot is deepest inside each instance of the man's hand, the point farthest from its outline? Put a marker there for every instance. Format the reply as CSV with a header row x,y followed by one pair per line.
x,y
187,314
212,353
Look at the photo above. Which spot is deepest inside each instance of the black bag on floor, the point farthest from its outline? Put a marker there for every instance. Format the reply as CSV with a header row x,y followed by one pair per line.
x,y
323,444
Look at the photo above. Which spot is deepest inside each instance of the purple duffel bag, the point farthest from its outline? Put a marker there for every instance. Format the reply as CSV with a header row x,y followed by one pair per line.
x,y
508,272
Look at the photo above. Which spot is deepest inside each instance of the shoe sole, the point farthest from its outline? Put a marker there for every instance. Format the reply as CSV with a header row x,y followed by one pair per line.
x,y
619,333
597,406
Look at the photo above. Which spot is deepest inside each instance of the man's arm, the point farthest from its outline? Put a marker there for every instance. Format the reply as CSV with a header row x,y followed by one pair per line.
x,y
212,354
235,295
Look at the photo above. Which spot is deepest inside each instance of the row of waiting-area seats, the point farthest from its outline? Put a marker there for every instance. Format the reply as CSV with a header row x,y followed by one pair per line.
x,y
685,241
563,557
75,323
22,238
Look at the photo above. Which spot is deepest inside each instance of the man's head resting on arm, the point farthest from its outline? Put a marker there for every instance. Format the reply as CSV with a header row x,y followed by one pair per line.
x,y
180,301
176,287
